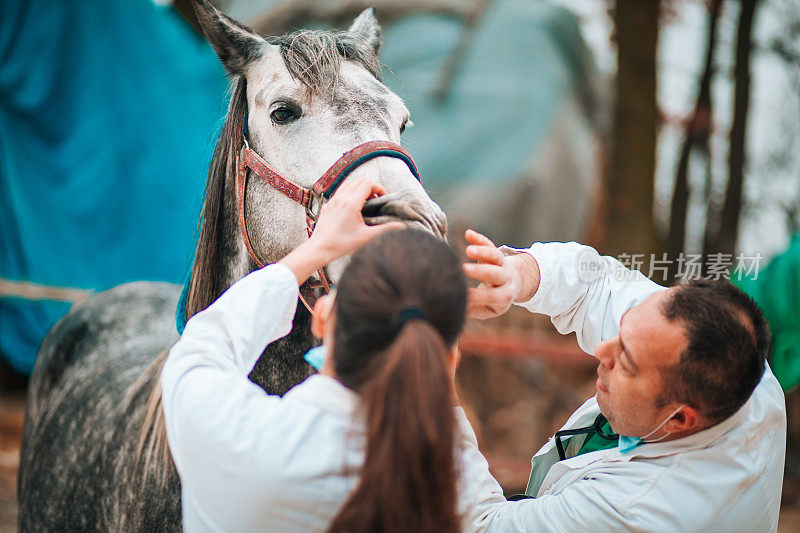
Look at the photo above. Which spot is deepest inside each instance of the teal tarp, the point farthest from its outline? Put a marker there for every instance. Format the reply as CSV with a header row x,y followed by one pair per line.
x,y
107,117
777,291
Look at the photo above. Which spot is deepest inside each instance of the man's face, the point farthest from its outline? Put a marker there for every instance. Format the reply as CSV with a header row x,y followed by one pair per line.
x,y
629,373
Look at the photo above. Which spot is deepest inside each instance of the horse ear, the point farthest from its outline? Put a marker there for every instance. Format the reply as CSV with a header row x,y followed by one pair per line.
x,y
235,44
366,27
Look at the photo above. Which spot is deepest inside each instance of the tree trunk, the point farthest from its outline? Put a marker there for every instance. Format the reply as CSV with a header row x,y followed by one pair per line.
x,y
630,225
725,237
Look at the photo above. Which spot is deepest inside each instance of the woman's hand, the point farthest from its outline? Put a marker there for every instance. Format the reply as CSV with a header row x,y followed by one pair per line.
x,y
340,229
504,279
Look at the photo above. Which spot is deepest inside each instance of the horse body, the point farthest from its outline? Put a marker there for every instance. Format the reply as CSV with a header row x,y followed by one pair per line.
x,y
94,454
82,426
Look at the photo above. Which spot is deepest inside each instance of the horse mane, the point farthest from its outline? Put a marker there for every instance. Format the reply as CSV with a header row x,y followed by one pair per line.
x,y
206,281
152,449
313,58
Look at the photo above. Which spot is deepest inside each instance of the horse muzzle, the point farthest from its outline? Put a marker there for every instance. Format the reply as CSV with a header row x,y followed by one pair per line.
x,y
416,213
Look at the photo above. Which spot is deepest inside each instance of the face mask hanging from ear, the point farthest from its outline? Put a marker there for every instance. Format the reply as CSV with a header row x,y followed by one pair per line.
x,y
627,444
316,356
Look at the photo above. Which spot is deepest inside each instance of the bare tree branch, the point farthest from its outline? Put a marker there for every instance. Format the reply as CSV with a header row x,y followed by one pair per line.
x,y
696,138
724,240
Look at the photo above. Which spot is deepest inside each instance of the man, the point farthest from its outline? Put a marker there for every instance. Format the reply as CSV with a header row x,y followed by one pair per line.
x,y
687,431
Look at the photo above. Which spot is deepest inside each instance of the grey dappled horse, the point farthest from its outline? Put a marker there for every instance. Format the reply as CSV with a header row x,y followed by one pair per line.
x,y
94,453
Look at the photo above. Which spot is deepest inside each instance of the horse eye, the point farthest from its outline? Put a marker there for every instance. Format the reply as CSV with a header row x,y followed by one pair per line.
x,y
282,115
402,128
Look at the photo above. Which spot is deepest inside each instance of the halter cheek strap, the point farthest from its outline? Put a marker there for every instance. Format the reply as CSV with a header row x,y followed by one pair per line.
x,y
250,159
322,189
313,198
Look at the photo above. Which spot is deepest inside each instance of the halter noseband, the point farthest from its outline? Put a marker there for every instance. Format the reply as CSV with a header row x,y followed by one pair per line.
x,y
313,198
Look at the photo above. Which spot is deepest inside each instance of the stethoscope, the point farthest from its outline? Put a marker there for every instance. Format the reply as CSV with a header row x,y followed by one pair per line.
x,y
595,428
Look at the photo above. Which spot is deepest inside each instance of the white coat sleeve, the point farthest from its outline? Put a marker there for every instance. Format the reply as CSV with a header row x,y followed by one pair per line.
x,y
213,412
585,505
584,292
478,491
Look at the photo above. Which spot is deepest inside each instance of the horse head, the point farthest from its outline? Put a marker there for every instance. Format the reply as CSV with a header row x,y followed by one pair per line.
x,y
301,100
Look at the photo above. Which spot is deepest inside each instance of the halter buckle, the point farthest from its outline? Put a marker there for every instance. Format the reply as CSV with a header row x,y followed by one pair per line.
x,y
313,208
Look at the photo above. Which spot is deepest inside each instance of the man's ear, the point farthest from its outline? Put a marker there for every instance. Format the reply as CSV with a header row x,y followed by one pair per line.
x,y
687,419
235,44
366,27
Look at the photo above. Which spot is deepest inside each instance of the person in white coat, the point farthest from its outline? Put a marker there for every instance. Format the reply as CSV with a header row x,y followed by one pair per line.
x,y
687,431
373,442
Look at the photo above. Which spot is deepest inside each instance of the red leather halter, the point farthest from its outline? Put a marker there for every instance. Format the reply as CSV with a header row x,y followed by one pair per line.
x,y
313,198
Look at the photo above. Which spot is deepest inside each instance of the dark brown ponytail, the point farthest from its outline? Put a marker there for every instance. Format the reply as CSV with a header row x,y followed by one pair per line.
x,y
399,370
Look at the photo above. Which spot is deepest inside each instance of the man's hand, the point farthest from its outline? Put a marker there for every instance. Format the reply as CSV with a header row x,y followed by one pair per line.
x,y
504,280
340,229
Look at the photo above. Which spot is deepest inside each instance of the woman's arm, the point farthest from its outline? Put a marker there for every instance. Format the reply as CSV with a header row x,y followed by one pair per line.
x,y
213,413
216,417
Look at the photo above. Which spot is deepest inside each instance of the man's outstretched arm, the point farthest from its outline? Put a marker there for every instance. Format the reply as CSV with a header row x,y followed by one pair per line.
x,y
578,288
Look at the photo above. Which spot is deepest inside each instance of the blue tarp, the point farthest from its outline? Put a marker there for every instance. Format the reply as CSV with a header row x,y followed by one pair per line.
x,y
108,112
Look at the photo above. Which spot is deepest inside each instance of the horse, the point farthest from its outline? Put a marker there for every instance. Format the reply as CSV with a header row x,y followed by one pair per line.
x,y
94,454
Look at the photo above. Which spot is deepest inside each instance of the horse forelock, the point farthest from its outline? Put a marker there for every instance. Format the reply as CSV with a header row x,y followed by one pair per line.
x,y
313,57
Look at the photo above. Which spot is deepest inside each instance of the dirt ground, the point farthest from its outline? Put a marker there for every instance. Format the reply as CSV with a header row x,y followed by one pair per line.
x,y
510,423
12,405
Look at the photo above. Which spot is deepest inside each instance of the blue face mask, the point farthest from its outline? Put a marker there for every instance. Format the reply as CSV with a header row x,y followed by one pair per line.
x,y
316,356
626,444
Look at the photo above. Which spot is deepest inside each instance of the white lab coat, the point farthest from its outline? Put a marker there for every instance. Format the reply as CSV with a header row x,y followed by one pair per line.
x,y
725,478
253,462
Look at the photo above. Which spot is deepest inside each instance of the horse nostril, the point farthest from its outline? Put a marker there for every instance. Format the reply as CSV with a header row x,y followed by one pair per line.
x,y
387,208
372,208
393,207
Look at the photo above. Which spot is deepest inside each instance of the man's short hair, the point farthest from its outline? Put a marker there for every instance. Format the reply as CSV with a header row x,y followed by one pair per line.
x,y
728,343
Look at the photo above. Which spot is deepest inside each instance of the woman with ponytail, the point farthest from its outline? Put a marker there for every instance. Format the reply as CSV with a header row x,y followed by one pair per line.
x,y
398,312
374,442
